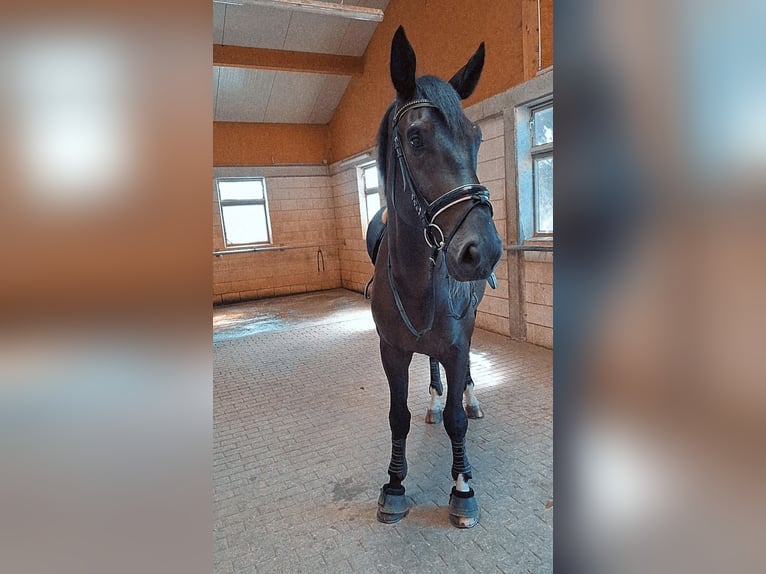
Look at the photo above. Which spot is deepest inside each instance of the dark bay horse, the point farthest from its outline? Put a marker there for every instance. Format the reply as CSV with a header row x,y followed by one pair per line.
x,y
376,230
440,247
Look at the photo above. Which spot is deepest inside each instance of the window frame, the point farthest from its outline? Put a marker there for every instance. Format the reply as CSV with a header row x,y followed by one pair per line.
x,y
242,202
526,153
538,151
364,193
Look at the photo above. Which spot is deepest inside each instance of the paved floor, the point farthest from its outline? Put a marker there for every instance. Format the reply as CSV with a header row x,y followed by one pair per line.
x,y
302,444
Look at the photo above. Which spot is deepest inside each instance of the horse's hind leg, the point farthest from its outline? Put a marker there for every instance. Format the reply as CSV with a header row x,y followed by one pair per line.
x,y
472,407
463,508
435,389
392,504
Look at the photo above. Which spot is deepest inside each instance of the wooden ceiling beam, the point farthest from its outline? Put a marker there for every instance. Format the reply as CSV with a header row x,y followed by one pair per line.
x,y
285,61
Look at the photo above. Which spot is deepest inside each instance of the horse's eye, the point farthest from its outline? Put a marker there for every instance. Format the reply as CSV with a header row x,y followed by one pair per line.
x,y
415,141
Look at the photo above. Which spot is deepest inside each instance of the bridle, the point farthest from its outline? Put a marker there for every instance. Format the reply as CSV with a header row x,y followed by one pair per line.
x,y
427,213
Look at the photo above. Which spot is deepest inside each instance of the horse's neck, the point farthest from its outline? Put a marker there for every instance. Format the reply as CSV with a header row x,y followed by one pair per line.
x,y
409,258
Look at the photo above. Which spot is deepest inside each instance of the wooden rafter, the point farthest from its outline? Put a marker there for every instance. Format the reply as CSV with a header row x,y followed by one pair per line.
x,y
286,61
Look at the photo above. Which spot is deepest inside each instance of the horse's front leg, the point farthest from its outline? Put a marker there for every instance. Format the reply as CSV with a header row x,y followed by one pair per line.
x,y
463,508
436,390
392,505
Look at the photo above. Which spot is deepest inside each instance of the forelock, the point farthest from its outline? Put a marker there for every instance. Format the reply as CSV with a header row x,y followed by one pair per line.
x,y
444,96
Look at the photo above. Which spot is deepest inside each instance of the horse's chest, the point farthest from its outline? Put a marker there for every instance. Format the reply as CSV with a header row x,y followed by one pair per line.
x,y
452,315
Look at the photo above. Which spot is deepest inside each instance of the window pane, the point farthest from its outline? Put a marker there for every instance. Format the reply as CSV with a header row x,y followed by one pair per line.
x,y
543,125
370,177
244,189
245,224
544,194
373,205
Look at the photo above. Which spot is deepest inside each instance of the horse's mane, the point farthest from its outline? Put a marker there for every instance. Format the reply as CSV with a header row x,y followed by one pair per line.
x,y
429,88
383,145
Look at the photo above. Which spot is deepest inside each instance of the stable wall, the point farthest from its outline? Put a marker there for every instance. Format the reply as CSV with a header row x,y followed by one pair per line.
x,y
537,303
251,144
302,216
356,268
522,305
493,310
444,35
527,274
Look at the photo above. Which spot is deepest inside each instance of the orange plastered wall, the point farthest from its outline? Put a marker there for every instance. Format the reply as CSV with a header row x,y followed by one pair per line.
x,y
236,144
444,35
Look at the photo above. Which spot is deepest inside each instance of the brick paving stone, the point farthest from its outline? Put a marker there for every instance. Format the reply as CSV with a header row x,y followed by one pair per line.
x,y
301,447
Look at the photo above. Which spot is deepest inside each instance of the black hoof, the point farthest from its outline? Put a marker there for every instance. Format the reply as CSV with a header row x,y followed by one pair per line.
x,y
392,505
433,417
463,509
474,412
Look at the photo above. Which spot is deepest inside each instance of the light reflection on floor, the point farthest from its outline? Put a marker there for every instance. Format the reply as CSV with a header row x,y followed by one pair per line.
x,y
345,310
484,369
338,306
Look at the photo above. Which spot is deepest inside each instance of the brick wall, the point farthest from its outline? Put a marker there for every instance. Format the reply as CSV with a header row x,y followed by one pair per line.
x,y
302,216
356,268
522,305
493,310
538,298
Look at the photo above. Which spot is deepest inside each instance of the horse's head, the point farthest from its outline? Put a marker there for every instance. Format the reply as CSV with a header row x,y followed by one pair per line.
x,y
427,153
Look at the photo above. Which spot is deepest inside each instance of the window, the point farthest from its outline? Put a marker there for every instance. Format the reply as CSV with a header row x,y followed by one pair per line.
x,y
244,211
533,126
368,185
541,128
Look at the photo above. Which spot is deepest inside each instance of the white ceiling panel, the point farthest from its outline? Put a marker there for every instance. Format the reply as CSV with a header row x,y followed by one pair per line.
x,y
328,99
379,4
356,38
293,96
315,33
243,94
256,26
219,10
216,71
249,95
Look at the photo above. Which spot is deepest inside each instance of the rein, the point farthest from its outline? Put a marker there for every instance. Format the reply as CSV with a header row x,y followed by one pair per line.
x,y
427,213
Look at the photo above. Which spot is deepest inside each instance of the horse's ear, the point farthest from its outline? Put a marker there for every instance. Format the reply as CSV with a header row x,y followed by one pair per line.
x,y
402,65
466,78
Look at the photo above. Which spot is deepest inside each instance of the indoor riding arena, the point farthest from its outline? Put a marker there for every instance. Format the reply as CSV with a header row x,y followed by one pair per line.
x,y
331,149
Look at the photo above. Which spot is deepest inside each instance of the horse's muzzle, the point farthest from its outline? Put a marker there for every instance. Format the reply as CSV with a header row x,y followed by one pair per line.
x,y
474,252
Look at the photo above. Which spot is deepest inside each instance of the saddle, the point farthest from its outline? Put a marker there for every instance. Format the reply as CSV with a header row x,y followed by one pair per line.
x,y
375,231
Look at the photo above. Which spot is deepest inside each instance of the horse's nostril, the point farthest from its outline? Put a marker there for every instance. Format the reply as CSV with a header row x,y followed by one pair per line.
x,y
470,255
